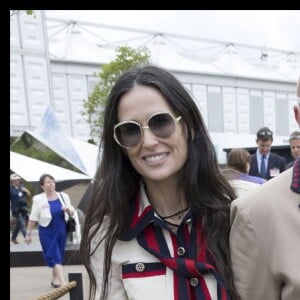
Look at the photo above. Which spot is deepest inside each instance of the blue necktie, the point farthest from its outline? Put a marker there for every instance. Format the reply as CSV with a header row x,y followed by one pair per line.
x,y
263,167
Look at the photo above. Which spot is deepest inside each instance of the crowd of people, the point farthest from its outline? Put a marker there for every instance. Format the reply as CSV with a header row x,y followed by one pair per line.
x,y
164,221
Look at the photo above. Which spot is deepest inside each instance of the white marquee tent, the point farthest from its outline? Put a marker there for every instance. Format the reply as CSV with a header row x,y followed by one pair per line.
x,y
80,155
73,42
31,169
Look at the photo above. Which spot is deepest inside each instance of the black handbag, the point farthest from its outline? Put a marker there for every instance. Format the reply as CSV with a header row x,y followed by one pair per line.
x,y
71,224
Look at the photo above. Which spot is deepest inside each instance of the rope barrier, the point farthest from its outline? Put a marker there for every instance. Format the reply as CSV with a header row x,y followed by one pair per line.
x,y
58,292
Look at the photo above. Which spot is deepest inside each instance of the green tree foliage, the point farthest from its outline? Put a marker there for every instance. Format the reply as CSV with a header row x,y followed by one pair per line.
x,y
28,12
126,58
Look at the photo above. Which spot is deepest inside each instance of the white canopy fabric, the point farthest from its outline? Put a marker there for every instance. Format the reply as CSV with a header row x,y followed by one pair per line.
x,y
163,55
75,47
31,169
88,154
49,132
73,44
232,63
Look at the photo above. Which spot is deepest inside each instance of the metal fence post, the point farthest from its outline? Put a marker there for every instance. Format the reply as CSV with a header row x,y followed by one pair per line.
x,y
77,292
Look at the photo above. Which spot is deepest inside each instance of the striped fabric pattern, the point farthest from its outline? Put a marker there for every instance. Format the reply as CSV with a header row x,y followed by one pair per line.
x,y
295,186
189,268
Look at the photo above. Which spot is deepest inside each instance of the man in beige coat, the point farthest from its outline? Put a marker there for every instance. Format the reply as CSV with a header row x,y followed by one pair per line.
x,y
265,237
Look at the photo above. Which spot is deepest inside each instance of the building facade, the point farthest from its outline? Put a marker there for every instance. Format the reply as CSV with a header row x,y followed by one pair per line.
x,y
233,107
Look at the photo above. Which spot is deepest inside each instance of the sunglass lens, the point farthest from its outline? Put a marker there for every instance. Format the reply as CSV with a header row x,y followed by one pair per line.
x,y
128,134
162,125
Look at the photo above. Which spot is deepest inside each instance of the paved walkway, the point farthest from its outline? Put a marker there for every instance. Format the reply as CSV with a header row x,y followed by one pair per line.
x,y
32,282
22,246
28,283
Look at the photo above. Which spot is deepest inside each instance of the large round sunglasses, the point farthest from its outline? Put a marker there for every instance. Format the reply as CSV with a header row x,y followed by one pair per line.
x,y
129,133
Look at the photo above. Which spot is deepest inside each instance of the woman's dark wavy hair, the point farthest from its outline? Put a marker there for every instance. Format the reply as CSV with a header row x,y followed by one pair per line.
x,y
116,181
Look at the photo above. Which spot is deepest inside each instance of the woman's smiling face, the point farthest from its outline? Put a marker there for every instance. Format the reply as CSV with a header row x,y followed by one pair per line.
x,y
153,157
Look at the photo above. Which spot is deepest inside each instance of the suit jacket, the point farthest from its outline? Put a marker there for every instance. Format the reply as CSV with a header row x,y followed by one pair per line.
x,y
275,162
40,210
290,164
265,241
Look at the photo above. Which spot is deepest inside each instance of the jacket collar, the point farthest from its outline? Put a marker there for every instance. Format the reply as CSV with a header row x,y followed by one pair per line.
x,y
140,214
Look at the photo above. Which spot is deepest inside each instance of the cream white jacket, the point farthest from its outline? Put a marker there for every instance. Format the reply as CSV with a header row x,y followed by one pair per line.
x,y
40,210
139,283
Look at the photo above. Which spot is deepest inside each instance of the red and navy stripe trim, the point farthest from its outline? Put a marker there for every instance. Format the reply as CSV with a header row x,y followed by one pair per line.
x,y
135,222
150,269
148,230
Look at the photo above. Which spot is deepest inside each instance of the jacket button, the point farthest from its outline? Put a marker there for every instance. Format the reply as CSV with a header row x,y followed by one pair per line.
x,y
188,221
180,251
139,267
194,281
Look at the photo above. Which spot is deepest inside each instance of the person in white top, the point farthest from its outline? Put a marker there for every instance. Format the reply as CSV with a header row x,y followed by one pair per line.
x,y
51,210
157,224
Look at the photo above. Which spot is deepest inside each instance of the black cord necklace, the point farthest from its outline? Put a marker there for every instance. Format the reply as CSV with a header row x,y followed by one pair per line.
x,y
173,215
171,224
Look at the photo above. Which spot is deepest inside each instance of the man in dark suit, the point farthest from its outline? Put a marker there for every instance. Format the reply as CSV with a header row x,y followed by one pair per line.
x,y
264,163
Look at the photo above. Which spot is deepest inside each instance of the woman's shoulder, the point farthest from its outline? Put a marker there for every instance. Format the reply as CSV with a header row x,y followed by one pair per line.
x,y
40,196
65,195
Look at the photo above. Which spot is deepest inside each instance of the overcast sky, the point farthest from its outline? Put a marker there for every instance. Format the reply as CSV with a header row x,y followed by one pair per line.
x,y
278,29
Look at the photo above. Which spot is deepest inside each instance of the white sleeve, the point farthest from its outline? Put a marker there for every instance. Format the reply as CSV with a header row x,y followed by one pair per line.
x,y
35,211
77,233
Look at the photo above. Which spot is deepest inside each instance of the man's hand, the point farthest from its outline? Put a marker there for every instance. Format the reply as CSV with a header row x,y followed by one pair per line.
x,y
25,191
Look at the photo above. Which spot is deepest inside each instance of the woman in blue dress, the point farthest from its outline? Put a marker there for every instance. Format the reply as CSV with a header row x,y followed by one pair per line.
x,y
50,210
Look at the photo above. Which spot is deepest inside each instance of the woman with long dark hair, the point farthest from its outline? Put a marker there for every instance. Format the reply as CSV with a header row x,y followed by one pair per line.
x,y
157,225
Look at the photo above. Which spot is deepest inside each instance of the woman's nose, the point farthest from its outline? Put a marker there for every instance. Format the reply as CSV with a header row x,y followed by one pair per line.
x,y
149,138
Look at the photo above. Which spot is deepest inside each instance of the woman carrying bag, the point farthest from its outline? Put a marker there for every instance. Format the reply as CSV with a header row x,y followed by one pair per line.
x,y
51,212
